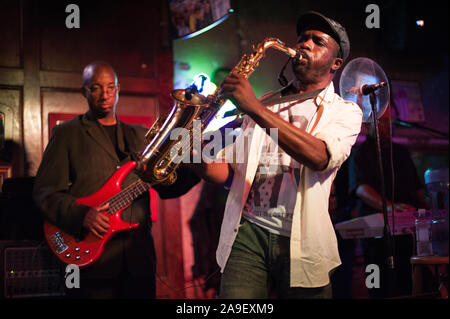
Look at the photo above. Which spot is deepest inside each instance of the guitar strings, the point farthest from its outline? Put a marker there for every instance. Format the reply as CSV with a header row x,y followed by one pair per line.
x,y
127,195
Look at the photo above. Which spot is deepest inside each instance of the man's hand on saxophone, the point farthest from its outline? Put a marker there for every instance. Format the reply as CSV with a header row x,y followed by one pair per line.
x,y
238,90
300,145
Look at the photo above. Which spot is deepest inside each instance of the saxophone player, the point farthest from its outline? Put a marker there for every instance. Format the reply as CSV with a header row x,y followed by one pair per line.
x,y
276,235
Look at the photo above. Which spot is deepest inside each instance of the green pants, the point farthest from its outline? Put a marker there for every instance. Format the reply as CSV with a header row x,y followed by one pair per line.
x,y
259,268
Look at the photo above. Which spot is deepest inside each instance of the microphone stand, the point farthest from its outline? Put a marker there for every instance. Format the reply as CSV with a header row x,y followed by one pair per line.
x,y
388,239
418,126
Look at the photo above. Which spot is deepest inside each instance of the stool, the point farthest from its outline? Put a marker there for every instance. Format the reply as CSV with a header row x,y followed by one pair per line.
x,y
433,263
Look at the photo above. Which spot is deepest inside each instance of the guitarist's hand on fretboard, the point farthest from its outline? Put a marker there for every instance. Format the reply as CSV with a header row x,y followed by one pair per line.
x,y
97,222
101,220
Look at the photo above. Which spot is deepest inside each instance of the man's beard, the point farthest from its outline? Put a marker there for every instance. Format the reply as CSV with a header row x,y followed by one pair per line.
x,y
305,72
301,68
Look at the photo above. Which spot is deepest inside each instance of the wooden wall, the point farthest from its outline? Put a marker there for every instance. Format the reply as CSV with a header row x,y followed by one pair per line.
x,y
41,61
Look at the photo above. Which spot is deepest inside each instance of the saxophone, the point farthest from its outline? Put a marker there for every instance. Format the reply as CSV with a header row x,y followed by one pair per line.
x,y
156,164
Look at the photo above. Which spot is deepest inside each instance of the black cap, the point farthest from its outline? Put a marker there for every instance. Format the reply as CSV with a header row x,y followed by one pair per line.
x,y
335,30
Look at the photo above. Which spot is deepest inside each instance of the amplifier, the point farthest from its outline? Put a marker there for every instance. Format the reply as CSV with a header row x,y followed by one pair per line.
x,y
31,271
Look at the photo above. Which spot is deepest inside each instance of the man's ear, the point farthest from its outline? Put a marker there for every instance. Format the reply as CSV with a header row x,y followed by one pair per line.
x,y
83,91
337,63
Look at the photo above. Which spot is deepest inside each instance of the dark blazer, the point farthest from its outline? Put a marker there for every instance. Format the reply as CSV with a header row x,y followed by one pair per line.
x,y
77,161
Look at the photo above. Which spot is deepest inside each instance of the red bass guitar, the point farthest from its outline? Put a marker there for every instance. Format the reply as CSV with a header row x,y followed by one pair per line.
x,y
86,251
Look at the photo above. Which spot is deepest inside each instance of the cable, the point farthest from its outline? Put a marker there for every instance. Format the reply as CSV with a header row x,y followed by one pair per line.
x,y
188,287
281,78
391,150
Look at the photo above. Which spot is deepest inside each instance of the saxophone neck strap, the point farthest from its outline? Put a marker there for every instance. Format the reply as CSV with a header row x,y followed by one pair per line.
x,y
277,98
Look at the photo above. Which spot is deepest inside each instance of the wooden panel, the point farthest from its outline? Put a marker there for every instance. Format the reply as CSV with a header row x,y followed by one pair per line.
x,y
137,105
65,80
31,92
11,77
60,102
10,34
169,251
124,35
10,107
13,152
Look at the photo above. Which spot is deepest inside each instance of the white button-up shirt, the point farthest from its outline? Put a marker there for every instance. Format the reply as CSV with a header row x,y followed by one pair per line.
x,y
313,244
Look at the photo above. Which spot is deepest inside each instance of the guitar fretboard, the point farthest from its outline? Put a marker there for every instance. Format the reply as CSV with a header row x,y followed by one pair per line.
x,y
127,196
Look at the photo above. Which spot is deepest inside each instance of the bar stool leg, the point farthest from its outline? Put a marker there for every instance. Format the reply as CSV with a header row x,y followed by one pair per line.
x,y
416,280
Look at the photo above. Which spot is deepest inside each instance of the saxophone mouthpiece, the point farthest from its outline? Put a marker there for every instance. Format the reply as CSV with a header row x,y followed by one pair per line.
x,y
298,55
294,54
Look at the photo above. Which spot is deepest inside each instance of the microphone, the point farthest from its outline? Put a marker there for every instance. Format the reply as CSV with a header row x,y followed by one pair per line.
x,y
366,89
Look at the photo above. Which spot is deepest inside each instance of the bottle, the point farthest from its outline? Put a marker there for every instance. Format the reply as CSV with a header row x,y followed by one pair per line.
x,y
423,234
439,235
437,181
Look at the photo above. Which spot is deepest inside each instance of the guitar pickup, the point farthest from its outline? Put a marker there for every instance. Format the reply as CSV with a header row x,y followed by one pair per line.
x,y
58,243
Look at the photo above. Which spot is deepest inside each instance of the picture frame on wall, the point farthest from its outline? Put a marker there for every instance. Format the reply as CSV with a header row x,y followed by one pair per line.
x,y
407,101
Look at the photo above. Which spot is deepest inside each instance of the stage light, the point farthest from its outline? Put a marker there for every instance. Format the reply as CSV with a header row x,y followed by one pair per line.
x,y
206,87
203,84
420,23
219,120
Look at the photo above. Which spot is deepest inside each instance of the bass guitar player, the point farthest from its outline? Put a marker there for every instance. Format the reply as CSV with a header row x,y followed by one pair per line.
x,y
81,162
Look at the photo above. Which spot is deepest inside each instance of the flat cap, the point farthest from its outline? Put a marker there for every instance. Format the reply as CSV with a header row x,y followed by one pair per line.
x,y
335,29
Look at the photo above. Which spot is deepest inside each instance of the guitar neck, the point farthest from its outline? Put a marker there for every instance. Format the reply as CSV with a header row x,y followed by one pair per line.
x,y
127,195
